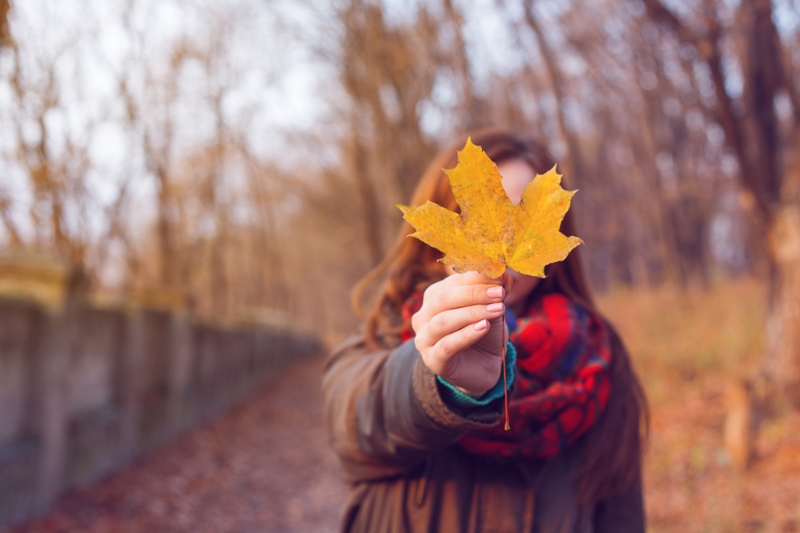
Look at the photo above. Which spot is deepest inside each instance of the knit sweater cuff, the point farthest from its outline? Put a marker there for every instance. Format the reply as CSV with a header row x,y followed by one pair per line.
x,y
452,396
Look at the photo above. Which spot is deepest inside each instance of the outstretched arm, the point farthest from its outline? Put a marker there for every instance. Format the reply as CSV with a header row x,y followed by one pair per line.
x,y
386,411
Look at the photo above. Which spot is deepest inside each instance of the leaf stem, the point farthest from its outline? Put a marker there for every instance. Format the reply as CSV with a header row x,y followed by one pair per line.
x,y
505,385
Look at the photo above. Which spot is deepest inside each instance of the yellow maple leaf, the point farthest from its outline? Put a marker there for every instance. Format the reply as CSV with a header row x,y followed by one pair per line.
x,y
492,233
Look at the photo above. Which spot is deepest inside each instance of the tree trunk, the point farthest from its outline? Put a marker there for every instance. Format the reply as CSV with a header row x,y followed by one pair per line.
x,y
165,243
5,31
575,169
782,358
368,196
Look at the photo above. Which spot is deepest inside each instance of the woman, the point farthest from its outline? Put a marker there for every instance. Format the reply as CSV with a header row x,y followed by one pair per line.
x,y
414,404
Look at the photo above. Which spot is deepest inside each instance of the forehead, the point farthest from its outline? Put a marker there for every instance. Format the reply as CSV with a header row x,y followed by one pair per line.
x,y
516,169
516,175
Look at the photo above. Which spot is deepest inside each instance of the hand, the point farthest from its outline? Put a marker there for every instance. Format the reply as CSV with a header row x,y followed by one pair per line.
x,y
461,332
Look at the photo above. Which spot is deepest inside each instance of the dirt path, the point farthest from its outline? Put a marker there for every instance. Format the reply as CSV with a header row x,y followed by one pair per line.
x,y
263,467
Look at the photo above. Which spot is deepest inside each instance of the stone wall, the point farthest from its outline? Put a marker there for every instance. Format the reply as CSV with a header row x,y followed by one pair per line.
x,y
85,390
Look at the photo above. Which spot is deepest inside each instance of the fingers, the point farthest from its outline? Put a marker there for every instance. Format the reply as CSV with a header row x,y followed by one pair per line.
x,y
468,278
456,302
464,296
452,320
440,357
455,307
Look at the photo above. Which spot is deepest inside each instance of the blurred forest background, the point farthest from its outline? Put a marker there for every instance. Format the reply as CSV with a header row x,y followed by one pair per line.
x,y
249,154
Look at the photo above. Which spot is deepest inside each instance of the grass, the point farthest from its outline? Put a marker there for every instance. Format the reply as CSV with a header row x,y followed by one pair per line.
x,y
678,337
688,347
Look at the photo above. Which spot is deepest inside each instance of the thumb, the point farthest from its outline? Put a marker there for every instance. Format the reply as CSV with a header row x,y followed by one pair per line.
x,y
508,282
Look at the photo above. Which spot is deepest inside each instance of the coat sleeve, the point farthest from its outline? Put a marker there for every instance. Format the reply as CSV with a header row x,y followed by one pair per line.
x,y
384,412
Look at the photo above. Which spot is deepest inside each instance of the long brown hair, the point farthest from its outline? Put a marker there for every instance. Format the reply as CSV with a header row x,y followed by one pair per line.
x,y
612,450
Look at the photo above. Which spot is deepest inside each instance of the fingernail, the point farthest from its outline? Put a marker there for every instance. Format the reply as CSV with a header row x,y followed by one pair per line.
x,y
495,307
482,325
495,292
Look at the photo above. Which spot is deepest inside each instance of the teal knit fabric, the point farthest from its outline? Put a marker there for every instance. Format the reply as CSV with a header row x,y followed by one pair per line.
x,y
453,396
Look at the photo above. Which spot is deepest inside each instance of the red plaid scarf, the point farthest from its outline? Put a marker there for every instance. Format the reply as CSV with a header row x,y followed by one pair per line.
x,y
562,379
